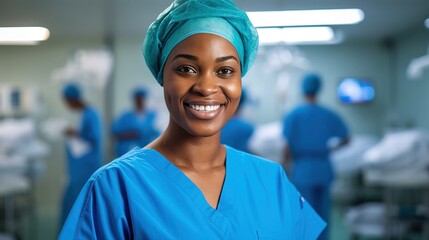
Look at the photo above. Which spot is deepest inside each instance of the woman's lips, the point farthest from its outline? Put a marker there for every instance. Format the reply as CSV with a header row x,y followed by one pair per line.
x,y
204,111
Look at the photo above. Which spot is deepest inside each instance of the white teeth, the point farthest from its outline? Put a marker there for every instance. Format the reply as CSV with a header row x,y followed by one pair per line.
x,y
205,108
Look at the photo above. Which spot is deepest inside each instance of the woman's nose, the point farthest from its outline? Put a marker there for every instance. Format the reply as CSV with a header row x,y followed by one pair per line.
x,y
206,85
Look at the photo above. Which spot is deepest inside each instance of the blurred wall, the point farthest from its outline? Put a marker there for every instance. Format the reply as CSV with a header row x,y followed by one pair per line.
x,y
411,94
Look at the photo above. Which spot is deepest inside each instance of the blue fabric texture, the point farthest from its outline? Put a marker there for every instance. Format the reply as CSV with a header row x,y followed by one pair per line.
x,y
142,124
142,195
307,130
82,167
184,18
72,91
311,84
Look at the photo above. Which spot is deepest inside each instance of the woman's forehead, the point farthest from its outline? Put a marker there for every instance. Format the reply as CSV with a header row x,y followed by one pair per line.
x,y
204,44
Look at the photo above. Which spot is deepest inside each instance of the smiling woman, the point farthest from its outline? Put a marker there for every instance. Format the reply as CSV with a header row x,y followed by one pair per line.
x,y
186,184
202,84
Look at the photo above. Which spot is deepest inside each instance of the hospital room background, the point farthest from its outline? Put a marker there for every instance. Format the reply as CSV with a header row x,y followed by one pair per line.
x,y
381,189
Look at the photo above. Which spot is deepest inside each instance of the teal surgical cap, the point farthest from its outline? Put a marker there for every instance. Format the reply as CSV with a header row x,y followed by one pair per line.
x,y
72,91
311,84
184,18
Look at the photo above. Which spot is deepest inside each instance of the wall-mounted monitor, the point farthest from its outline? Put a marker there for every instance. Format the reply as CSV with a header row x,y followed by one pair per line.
x,y
353,90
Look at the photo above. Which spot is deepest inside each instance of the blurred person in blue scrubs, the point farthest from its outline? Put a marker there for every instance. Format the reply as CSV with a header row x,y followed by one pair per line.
x,y
308,129
136,127
83,148
186,184
237,131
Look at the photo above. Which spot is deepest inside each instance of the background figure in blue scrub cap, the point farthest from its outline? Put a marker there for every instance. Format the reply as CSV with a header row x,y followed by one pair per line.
x,y
307,130
237,131
136,127
83,148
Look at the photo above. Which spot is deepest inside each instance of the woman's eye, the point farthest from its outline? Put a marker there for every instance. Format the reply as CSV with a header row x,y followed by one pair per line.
x,y
186,69
225,71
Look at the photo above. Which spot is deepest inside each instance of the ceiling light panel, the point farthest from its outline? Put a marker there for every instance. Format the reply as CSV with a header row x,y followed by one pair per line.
x,y
296,35
23,35
306,17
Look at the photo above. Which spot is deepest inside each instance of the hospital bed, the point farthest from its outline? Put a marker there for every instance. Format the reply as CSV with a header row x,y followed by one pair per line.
x,y
398,165
21,164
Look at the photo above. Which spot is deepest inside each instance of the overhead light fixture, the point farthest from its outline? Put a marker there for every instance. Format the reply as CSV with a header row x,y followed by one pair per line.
x,y
306,17
23,35
427,23
297,35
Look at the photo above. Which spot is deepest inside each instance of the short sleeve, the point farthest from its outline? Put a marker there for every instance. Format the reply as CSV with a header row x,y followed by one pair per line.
x,y
98,213
307,223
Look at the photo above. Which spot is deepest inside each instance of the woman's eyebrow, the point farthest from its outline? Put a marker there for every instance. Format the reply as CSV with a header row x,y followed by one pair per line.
x,y
187,56
222,59
194,58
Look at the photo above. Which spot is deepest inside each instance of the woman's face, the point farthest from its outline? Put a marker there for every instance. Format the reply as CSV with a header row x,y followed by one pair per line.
x,y
202,84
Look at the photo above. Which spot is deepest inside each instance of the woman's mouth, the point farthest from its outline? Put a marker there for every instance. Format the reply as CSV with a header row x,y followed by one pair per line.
x,y
204,111
204,108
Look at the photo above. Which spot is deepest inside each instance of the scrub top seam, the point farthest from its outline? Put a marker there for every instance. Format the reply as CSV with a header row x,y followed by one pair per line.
x,y
84,211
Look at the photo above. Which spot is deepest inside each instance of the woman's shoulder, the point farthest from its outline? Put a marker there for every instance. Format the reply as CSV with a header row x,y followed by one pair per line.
x,y
131,162
253,162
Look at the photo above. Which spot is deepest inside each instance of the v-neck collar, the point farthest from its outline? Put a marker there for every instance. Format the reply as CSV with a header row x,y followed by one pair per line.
x,y
226,202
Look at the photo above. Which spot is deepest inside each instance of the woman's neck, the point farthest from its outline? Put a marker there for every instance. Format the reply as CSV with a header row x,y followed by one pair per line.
x,y
188,152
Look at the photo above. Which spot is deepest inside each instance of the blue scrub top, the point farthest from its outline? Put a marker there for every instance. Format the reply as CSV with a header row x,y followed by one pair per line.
x,y
307,130
142,195
81,168
143,124
236,133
